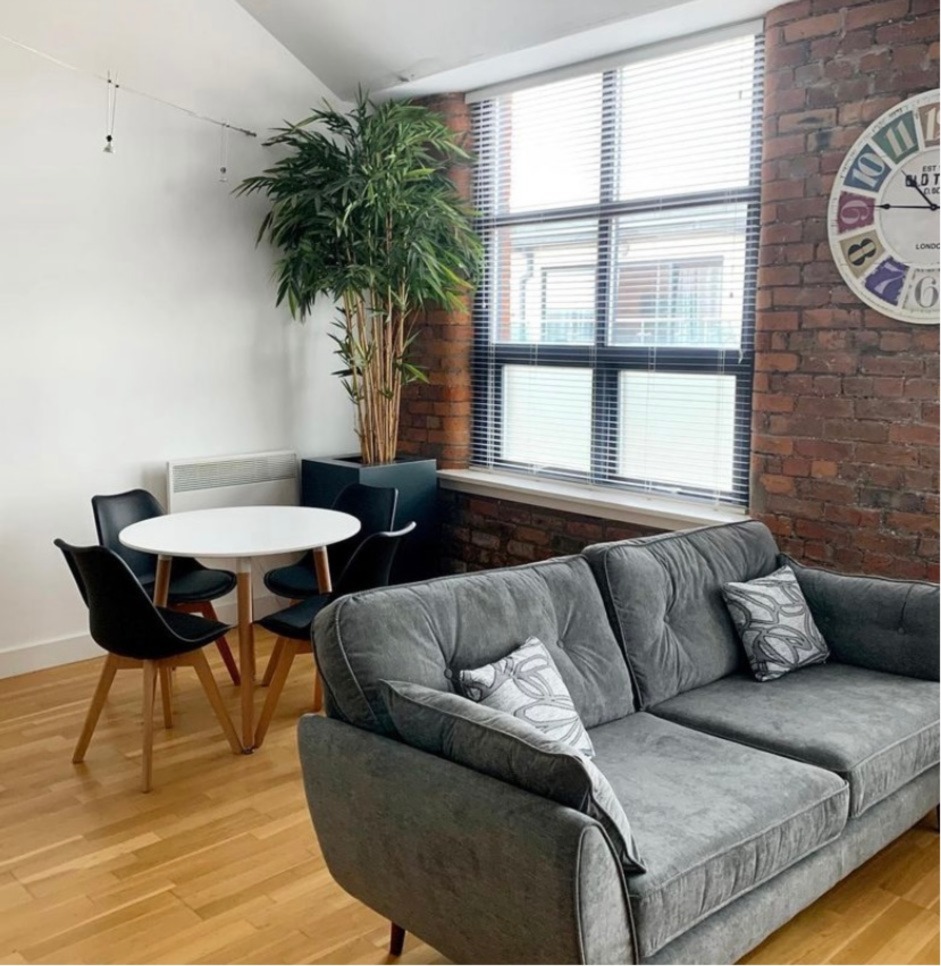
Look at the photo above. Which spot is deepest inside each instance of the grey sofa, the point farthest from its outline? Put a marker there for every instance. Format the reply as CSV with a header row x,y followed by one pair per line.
x,y
747,800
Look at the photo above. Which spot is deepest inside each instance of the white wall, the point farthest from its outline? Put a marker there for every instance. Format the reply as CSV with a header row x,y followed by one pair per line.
x,y
137,318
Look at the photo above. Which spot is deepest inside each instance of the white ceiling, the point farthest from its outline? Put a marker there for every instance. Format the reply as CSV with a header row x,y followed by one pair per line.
x,y
411,47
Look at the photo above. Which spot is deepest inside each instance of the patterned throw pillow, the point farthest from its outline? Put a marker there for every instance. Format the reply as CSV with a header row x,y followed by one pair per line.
x,y
775,624
508,749
527,685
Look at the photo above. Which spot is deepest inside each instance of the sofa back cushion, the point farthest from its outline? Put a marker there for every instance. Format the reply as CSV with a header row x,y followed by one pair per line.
x,y
425,632
664,597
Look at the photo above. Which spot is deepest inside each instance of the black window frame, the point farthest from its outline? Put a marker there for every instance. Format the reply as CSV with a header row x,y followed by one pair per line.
x,y
605,360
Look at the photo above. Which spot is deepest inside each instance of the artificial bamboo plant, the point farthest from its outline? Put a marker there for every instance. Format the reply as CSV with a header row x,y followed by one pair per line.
x,y
363,212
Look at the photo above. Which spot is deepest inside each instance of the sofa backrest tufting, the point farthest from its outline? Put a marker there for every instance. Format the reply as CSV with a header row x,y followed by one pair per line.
x,y
664,600
421,632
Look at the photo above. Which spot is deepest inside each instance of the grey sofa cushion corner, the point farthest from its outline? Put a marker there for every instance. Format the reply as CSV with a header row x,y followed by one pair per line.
x,y
511,750
875,622
715,819
663,596
420,632
878,731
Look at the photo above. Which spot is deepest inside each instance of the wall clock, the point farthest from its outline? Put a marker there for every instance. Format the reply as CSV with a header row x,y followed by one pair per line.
x,y
883,219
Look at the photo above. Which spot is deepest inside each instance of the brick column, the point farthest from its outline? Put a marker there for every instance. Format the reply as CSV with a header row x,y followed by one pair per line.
x,y
845,464
436,416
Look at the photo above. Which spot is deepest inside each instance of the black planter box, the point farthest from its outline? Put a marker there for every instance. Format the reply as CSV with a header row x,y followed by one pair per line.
x,y
417,483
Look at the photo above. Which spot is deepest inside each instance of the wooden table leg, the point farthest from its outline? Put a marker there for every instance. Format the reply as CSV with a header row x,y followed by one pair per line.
x,y
322,565
246,651
162,583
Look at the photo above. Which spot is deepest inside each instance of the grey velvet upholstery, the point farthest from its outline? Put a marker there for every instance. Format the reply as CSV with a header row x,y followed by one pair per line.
x,y
878,731
664,599
737,792
483,871
885,625
420,632
713,819
497,744
731,932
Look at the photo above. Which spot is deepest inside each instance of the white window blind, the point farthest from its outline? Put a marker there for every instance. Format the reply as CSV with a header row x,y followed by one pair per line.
x,y
614,327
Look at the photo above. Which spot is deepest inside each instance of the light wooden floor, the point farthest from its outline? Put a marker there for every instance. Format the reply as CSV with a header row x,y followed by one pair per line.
x,y
219,863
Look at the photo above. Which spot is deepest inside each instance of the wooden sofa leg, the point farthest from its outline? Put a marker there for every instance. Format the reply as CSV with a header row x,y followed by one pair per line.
x,y
396,940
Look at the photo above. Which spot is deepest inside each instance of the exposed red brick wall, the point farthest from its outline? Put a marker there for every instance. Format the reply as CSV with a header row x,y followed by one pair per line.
x,y
845,465
480,532
436,416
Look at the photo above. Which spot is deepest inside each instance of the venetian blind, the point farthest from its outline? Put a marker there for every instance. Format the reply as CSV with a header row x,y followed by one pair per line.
x,y
614,324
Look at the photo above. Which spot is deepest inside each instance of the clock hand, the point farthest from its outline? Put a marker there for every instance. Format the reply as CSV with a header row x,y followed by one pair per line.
x,y
910,181
929,207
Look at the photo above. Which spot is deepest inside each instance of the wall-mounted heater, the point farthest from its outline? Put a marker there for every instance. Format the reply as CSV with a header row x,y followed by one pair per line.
x,y
254,479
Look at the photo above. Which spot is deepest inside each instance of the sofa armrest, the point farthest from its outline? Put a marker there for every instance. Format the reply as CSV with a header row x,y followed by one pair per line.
x,y
482,871
874,622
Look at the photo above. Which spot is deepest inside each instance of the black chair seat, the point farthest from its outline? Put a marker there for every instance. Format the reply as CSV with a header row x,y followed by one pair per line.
x,y
295,581
193,630
295,621
373,506
196,585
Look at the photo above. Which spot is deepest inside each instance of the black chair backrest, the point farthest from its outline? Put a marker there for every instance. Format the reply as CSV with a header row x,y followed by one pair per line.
x,y
371,562
114,512
121,617
374,507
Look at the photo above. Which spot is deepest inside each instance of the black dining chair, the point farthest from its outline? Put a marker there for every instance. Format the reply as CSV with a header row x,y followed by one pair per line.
x,y
368,567
193,587
373,506
135,632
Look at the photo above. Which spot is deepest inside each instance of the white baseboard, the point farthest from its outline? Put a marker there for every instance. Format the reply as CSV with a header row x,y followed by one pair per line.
x,y
37,655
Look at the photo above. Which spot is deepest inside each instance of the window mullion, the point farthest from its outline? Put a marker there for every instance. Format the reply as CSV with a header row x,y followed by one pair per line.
x,y
604,381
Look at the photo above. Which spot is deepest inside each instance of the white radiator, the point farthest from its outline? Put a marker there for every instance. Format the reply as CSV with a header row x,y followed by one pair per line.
x,y
253,479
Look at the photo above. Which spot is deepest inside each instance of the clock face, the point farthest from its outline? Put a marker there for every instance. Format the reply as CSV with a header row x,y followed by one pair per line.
x,y
883,217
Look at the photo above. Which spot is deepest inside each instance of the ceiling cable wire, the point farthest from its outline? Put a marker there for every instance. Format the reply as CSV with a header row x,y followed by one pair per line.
x,y
127,90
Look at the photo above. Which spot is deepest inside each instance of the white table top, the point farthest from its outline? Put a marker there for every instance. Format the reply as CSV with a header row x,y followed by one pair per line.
x,y
243,531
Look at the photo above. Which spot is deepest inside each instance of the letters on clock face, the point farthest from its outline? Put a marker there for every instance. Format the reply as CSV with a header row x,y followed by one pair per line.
x,y
883,218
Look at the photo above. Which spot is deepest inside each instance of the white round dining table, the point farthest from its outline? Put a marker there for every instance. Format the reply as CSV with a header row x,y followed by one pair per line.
x,y
240,533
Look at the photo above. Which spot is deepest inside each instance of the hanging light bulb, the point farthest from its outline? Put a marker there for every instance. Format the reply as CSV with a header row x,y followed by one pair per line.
x,y
112,104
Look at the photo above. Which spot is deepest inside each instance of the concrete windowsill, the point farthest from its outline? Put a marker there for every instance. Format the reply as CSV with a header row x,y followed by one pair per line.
x,y
657,512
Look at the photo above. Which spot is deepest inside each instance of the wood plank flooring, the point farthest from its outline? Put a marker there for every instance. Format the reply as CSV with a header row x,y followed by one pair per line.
x,y
219,862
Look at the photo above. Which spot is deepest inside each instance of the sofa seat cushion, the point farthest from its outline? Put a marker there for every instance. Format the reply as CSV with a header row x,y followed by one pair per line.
x,y
878,731
713,819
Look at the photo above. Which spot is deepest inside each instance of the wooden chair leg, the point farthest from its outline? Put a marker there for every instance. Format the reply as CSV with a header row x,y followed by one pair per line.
x,y
396,940
203,671
150,687
94,709
222,644
272,662
166,694
280,675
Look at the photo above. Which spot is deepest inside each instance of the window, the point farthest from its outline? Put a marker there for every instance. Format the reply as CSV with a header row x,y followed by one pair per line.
x,y
614,328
